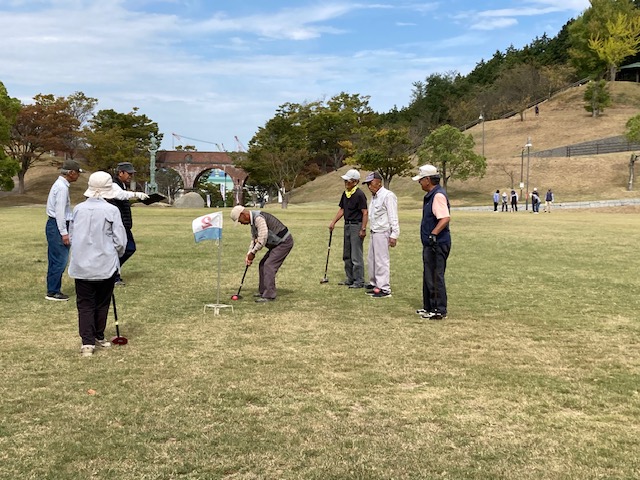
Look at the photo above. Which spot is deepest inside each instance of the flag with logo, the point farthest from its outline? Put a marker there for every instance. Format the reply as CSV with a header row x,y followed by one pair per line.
x,y
208,227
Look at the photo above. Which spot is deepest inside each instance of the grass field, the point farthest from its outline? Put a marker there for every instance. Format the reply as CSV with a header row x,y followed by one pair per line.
x,y
534,375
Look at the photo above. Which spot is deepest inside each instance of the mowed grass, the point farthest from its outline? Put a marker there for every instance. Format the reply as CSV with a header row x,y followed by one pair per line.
x,y
534,375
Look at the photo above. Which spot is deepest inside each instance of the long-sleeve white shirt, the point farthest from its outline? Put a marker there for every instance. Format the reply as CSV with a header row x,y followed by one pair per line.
x,y
59,204
98,239
383,213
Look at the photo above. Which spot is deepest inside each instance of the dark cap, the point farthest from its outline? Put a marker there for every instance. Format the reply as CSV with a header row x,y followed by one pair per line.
x,y
126,167
71,165
371,176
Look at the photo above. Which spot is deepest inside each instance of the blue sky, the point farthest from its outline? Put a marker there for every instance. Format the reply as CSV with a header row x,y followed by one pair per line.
x,y
212,70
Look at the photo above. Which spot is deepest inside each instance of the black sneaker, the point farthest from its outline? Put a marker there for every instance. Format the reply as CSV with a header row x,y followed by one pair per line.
x,y
421,311
381,294
345,283
369,286
57,296
434,315
356,285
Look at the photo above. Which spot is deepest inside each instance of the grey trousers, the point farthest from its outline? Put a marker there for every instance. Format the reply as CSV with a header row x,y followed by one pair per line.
x,y
379,261
352,254
269,266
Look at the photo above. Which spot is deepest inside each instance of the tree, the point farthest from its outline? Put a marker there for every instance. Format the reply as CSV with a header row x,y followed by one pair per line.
x,y
597,97
632,132
621,40
9,167
81,108
591,24
452,152
517,88
384,150
113,137
40,128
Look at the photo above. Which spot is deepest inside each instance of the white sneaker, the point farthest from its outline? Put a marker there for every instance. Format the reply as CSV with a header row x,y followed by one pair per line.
x,y
103,343
87,350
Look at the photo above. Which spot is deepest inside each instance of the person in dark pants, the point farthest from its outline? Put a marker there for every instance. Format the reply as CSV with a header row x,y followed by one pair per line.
x,y
514,201
57,229
98,238
353,207
436,243
122,179
496,200
266,231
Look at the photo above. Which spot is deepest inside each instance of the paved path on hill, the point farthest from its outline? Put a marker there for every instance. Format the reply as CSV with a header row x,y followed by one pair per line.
x,y
564,205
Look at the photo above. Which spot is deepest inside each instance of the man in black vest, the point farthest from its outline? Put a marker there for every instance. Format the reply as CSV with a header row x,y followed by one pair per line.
x,y
122,179
436,243
266,231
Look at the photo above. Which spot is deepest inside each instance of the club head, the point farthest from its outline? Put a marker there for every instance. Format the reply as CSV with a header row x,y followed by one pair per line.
x,y
324,280
119,340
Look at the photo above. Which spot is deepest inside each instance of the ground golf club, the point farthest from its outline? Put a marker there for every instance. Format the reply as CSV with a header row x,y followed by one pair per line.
x,y
325,279
117,340
237,296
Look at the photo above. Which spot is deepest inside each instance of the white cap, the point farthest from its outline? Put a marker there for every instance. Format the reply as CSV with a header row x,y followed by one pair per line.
x,y
235,212
426,171
352,174
101,186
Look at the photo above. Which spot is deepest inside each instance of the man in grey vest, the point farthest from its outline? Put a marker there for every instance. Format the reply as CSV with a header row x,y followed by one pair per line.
x,y
266,231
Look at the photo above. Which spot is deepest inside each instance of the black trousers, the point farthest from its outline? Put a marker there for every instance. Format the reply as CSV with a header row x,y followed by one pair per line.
x,y
93,298
434,289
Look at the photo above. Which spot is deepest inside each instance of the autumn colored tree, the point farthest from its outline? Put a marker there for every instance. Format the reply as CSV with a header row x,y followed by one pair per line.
x,y
620,40
452,152
39,128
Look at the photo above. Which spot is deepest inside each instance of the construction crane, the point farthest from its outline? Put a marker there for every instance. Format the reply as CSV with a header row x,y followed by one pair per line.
x,y
240,145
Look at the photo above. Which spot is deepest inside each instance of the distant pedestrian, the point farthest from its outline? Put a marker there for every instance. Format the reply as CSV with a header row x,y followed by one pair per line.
x,y
505,202
385,230
59,215
436,243
496,200
535,201
98,239
548,201
353,207
514,201
537,110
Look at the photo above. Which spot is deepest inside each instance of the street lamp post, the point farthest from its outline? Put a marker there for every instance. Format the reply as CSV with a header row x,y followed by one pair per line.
x,y
521,171
528,145
481,118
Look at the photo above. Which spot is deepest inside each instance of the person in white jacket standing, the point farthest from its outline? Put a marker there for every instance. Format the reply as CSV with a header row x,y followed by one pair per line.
x,y
98,239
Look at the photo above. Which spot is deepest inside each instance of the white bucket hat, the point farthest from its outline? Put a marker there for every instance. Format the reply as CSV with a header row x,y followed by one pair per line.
x,y
101,186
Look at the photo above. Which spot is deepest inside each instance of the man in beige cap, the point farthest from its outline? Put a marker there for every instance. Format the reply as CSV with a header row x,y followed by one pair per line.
x,y
353,207
266,231
57,229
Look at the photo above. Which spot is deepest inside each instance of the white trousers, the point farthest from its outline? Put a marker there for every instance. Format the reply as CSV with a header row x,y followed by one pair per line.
x,y
379,262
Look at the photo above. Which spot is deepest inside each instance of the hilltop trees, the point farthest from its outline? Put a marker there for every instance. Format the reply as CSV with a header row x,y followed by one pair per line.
x,y
621,40
41,127
9,108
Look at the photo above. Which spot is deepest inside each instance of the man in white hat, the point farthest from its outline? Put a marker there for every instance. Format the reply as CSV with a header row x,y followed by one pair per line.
x,y
353,207
98,239
436,243
266,231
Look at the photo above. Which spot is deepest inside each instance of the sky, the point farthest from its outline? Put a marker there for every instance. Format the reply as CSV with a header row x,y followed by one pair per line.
x,y
212,72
